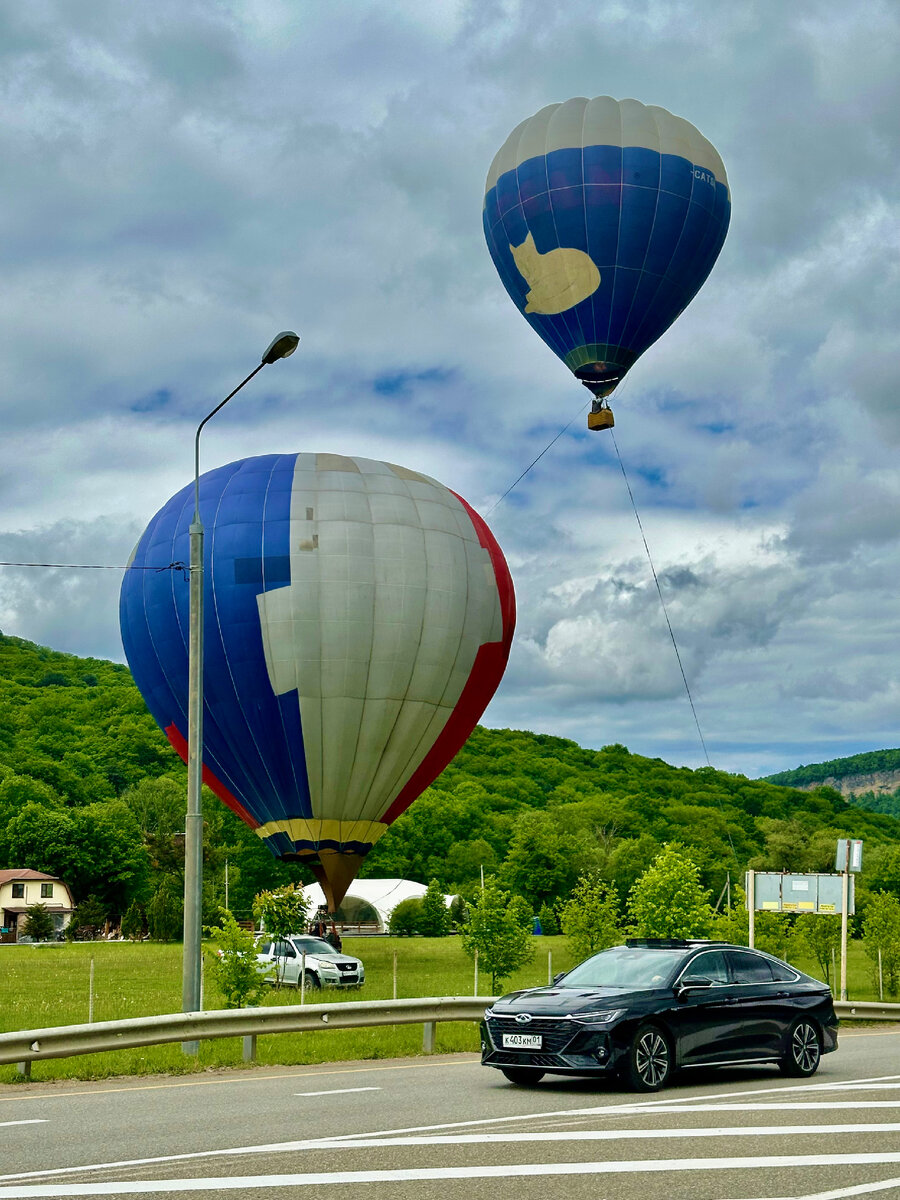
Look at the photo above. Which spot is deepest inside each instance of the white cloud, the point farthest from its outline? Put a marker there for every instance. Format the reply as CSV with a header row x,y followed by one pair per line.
x,y
183,181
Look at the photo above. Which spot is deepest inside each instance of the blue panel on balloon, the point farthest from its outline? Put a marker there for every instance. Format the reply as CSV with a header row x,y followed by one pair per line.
x,y
251,736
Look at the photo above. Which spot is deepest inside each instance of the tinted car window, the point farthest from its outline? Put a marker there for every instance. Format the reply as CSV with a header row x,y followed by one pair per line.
x,y
312,945
782,973
750,968
626,967
285,950
710,965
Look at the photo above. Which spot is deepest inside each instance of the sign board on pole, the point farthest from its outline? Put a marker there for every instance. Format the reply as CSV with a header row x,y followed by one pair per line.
x,y
849,855
777,892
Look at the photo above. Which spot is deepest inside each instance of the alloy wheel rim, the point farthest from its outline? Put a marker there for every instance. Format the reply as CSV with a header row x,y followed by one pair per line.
x,y
806,1047
652,1058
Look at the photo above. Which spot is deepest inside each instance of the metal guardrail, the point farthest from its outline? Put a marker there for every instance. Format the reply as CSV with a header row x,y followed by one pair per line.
x,y
866,1010
33,1045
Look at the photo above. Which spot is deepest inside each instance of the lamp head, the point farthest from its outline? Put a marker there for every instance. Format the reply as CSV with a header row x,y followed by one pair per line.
x,y
281,346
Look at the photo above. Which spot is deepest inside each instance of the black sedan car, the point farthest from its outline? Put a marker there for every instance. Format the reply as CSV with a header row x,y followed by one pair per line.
x,y
645,1009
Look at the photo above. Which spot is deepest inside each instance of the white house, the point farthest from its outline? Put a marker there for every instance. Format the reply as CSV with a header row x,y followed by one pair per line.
x,y
20,888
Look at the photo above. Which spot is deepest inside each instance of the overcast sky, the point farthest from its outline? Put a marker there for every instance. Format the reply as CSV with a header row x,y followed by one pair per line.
x,y
184,179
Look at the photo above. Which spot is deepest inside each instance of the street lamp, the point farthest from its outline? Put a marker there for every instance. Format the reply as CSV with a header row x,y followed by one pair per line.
x,y
280,347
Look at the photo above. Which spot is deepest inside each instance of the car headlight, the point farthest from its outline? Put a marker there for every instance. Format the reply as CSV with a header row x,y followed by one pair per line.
x,y
488,1012
600,1016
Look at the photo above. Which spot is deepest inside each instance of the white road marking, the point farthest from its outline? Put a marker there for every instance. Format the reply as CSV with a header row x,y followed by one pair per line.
x,y
636,1108
609,1135
843,1193
338,1091
860,1189
344,1178
31,1121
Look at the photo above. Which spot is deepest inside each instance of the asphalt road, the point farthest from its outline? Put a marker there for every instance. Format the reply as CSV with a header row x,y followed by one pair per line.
x,y
414,1129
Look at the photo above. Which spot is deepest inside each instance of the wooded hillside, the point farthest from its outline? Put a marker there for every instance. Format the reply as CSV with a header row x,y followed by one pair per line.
x,y
90,790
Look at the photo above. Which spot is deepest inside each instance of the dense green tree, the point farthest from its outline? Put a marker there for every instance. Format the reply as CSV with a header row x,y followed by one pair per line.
x,y
434,918
542,864
668,899
38,923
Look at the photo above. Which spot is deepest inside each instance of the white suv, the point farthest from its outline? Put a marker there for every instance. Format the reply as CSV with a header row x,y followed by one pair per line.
x,y
324,964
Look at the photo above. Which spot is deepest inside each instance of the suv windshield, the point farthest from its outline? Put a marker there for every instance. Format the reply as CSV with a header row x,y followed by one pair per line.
x,y
313,945
625,967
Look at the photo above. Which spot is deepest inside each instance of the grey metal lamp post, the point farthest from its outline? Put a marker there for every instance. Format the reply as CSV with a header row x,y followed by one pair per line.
x,y
282,346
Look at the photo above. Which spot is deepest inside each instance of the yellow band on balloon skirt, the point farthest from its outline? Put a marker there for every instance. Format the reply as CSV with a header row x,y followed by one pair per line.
x,y
304,829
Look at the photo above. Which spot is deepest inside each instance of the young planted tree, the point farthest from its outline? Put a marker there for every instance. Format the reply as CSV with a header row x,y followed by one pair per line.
x,y
281,912
668,900
589,918
234,964
819,935
496,931
881,940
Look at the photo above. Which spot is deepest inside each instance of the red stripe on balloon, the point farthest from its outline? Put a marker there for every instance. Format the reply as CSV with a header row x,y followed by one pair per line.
x,y
215,785
487,671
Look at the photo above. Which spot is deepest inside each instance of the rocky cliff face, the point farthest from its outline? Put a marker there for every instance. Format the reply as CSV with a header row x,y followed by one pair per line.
x,y
879,782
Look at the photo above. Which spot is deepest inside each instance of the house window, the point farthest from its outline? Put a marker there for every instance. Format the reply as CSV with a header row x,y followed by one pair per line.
x,y
18,891
46,890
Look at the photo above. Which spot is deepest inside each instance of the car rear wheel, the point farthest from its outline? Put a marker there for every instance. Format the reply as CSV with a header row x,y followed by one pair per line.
x,y
522,1075
804,1050
649,1063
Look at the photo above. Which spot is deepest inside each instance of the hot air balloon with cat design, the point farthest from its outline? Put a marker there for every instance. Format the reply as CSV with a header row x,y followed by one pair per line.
x,y
603,219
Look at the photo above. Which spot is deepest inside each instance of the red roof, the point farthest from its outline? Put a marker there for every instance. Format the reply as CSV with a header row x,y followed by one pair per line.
x,y
24,873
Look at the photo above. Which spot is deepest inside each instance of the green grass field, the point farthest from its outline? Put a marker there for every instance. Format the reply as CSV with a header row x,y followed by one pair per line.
x,y
46,986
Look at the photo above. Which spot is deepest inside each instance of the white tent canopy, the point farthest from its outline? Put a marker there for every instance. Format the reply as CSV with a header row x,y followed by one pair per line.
x,y
368,901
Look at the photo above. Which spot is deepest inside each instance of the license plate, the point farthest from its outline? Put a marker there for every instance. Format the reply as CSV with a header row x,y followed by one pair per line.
x,y
521,1041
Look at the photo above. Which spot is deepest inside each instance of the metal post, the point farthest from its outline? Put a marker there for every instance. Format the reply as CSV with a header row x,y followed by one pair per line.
x,y
303,977
249,1049
845,904
428,1038
475,993
395,974
91,993
191,996
751,908
880,978
549,967
193,827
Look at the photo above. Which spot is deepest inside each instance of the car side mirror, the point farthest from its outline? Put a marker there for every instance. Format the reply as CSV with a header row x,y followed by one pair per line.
x,y
557,978
689,985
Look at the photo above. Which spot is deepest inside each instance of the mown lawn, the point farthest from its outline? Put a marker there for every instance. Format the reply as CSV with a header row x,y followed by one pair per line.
x,y
45,986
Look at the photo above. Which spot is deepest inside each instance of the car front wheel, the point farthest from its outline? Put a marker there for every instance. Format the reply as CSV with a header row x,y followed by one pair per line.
x,y
804,1050
649,1064
524,1076
312,982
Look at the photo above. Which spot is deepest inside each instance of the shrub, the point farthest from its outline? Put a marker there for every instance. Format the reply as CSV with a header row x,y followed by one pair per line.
x,y
406,918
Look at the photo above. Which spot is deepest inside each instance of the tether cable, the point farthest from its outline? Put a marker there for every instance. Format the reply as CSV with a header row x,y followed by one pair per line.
x,y
552,442
661,600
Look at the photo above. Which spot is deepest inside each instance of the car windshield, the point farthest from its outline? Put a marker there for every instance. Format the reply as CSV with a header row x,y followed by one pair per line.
x,y
312,945
625,967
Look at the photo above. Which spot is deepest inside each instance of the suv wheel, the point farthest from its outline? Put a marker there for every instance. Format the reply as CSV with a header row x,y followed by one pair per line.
x,y
804,1050
649,1063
